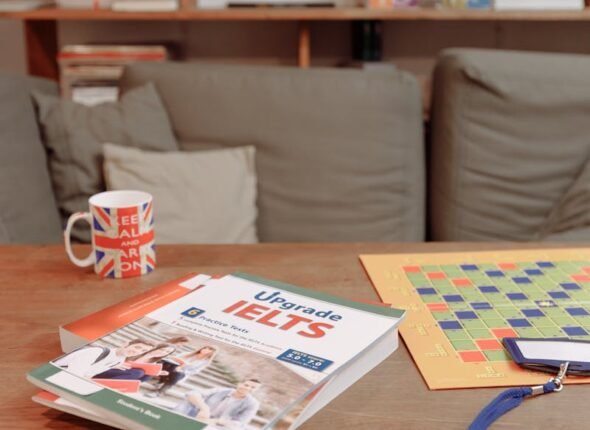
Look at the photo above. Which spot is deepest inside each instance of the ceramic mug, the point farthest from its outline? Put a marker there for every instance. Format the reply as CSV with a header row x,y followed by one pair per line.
x,y
122,225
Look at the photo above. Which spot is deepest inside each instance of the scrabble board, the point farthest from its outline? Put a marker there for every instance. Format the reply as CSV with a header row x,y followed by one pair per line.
x,y
461,305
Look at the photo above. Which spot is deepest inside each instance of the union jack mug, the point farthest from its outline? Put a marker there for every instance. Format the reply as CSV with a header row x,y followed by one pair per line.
x,y
122,225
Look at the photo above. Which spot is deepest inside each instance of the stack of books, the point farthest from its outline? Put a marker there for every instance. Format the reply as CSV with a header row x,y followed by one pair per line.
x,y
90,73
539,4
236,351
21,5
467,4
120,5
220,4
144,5
479,4
83,4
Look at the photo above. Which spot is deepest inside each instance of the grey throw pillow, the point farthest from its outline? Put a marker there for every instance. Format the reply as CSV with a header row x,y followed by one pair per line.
x,y
28,213
74,135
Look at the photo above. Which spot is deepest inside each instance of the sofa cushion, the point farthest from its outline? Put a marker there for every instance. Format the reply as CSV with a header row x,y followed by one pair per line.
x,y
572,213
28,213
339,152
199,197
74,135
509,137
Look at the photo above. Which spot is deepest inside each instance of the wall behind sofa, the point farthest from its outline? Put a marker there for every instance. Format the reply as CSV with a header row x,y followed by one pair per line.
x,y
12,58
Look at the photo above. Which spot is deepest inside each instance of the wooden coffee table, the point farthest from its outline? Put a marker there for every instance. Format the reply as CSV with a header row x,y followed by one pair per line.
x,y
40,289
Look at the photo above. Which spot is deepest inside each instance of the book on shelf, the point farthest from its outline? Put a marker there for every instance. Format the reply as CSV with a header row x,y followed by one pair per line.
x,y
231,351
119,54
89,74
144,5
83,4
221,4
467,4
92,93
22,5
539,4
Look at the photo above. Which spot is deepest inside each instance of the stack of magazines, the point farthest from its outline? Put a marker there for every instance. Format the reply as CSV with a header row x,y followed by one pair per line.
x,y
89,74
231,352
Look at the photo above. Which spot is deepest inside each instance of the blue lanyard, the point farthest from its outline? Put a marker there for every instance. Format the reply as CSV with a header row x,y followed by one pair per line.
x,y
513,397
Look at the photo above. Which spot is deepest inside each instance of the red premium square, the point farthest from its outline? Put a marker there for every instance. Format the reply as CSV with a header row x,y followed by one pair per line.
x,y
412,269
438,307
462,283
488,344
501,333
472,356
507,266
436,275
581,278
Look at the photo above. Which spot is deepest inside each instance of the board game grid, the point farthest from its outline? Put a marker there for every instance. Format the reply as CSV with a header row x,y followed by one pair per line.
x,y
476,305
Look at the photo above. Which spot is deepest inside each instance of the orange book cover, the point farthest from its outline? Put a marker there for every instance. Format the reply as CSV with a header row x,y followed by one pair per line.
x,y
98,324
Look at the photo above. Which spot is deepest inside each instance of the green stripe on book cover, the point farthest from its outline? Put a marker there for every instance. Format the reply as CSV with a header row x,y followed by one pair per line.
x,y
385,311
143,413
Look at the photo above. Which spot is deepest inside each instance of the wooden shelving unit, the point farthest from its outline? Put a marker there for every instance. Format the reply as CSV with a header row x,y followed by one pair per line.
x,y
41,25
299,14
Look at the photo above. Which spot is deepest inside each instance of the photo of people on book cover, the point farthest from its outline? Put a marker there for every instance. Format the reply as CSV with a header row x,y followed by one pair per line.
x,y
213,382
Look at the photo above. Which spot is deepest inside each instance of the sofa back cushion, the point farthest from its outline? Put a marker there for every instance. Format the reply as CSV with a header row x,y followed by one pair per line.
x,y
28,213
339,153
510,135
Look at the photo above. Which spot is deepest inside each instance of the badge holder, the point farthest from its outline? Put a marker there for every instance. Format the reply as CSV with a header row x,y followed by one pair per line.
x,y
559,356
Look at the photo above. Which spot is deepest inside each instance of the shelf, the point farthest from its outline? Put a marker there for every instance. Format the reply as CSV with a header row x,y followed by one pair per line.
x,y
41,25
299,14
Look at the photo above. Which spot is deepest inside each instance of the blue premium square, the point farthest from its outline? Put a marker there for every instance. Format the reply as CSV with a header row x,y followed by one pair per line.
x,y
545,264
522,280
495,273
519,322
489,289
468,267
575,331
425,291
558,295
516,296
193,312
481,305
453,298
533,272
531,313
570,286
466,315
577,312
450,325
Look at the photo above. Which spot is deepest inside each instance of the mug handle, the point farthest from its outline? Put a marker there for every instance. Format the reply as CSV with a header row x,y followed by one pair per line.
x,y
88,261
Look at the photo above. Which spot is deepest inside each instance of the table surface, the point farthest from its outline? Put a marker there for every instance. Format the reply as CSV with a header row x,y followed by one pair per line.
x,y
40,289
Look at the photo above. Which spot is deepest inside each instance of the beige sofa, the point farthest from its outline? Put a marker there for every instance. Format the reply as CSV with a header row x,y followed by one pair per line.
x,y
340,153
510,147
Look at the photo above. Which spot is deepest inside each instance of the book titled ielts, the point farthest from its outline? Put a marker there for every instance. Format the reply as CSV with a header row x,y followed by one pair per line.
x,y
236,352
